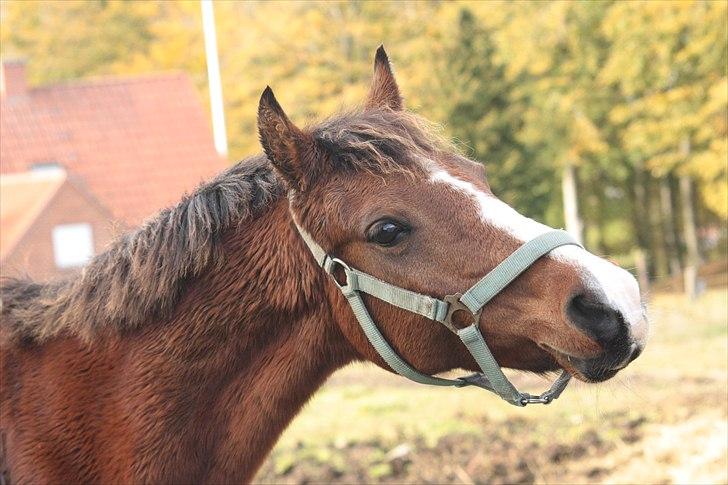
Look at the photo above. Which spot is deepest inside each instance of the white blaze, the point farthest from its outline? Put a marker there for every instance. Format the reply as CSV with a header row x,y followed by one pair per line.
x,y
617,286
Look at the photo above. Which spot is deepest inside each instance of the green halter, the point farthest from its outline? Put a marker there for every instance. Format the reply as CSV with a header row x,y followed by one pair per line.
x,y
470,304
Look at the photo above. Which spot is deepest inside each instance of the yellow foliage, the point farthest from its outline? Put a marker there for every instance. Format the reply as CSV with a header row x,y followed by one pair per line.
x,y
642,82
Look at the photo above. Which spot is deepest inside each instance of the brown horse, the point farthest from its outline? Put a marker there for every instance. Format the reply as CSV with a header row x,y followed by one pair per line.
x,y
182,352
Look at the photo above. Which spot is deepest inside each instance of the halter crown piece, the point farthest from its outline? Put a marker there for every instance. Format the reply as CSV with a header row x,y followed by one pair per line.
x,y
470,303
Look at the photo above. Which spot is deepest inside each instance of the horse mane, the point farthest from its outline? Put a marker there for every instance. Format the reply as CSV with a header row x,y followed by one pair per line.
x,y
143,273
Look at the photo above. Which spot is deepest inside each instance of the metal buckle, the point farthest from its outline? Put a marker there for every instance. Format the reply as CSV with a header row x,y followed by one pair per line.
x,y
454,305
529,399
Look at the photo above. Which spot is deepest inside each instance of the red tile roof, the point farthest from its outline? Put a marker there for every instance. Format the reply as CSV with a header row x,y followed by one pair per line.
x,y
138,143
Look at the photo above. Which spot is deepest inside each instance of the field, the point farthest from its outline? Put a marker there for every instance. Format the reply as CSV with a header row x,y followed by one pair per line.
x,y
662,420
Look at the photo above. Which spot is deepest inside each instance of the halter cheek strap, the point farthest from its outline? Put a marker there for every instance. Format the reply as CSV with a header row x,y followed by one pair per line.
x,y
469,305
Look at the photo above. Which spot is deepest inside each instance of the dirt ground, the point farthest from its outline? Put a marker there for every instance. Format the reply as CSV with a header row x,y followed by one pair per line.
x,y
665,421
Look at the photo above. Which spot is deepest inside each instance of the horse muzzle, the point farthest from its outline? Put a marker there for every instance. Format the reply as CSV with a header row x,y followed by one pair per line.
x,y
621,341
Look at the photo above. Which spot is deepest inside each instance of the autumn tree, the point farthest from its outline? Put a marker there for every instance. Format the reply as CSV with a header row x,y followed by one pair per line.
x,y
481,110
668,61
614,111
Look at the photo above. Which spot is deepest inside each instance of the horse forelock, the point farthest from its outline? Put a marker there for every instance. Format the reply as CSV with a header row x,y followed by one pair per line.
x,y
382,141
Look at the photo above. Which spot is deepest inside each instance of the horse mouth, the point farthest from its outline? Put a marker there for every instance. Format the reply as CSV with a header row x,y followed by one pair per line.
x,y
591,370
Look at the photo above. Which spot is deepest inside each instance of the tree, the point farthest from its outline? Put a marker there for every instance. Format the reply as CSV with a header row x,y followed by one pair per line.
x,y
627,100
72,39
480,109
668,62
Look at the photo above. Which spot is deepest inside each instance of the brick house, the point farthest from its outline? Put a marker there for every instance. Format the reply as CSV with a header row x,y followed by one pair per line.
x,y
81,160
51,223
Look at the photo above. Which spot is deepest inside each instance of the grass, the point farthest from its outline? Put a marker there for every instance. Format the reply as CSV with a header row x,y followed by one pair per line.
x,y
682,374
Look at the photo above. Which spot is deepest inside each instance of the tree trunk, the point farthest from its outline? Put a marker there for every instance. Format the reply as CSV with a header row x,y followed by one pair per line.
x,y
658,247
668,225
571,202
692,258
643,275
640,225
601,220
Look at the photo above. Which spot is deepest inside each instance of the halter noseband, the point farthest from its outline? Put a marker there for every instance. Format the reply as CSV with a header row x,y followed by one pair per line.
x,y
470,303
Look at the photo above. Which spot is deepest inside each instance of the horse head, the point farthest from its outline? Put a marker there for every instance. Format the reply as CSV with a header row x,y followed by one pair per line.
x,y
379,189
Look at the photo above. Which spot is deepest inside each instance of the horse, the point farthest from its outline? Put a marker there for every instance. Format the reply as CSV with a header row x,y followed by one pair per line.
x,y
182,352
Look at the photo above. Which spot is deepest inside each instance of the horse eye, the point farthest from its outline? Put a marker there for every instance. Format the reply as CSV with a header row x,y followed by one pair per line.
x,y
387,232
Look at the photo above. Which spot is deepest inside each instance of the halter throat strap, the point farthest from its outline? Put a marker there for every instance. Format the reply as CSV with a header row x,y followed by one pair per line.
x,y
468,305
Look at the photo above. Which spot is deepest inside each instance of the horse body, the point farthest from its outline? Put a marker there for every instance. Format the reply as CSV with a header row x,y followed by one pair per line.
x,y
182,352
199,397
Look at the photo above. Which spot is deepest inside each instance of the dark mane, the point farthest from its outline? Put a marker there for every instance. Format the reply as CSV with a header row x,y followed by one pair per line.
x,y
143,273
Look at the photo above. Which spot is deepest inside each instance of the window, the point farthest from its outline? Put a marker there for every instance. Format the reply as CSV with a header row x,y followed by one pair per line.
x,y
73,245
48,166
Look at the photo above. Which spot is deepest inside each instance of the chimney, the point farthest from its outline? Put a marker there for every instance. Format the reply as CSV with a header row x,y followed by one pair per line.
x,y
12,78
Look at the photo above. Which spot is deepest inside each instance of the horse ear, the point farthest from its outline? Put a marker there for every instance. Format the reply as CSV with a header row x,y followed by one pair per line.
x,y
287,147
384,92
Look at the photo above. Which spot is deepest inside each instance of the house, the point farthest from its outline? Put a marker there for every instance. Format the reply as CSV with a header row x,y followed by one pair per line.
x,y
128,146
51,224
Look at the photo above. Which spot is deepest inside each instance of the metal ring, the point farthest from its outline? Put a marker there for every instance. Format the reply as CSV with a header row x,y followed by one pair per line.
x,y
331,267
454,306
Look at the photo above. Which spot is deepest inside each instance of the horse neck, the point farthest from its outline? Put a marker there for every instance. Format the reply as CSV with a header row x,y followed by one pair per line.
x,y
250,343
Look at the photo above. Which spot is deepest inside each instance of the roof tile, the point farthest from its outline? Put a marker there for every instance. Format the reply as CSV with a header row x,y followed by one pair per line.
x,y
139,143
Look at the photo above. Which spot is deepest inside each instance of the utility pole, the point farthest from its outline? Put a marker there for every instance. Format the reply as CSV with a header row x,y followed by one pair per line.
x,y
213,78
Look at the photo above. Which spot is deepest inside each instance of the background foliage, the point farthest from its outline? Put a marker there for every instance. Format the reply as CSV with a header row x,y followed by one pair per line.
x,y
632,94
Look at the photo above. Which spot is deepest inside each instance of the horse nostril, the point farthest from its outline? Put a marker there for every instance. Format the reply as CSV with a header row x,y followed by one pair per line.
x,y
596,319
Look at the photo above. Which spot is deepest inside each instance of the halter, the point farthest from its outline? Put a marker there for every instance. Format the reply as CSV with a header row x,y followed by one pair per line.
x,y
468,305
